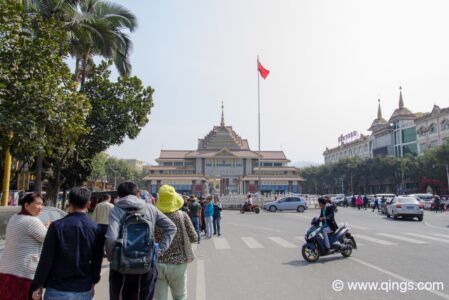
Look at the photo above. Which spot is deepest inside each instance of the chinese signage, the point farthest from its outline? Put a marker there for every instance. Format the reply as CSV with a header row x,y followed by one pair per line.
x,y
348,137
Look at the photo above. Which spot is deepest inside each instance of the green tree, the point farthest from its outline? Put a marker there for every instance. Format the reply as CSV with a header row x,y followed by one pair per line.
x,y
94,27
38,100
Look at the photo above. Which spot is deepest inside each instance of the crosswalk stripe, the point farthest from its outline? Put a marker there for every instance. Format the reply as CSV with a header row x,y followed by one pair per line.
x,y
374,240
429,237
282,242
440,235
401,238
252,242
221,243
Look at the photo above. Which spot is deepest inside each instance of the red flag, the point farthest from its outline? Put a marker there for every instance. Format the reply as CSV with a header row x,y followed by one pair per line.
x,y
263,72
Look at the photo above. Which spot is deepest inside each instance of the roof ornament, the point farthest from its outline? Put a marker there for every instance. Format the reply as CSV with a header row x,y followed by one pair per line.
x,y
222,115
379,111
401,101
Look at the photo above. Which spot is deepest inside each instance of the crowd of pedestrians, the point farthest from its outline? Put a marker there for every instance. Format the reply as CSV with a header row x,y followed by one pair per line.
x,y
148,246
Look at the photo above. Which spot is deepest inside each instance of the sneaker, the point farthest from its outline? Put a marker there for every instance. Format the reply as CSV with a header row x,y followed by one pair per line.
x,y
219,234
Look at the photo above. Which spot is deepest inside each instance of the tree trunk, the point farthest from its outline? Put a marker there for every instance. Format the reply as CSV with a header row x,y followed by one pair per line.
x,y
38,180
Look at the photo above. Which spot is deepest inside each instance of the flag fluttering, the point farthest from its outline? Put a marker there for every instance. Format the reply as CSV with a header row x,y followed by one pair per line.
x,y
263,72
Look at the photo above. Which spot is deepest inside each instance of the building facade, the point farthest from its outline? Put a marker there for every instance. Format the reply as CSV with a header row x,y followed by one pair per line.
x,y
223,163
432,129
405,133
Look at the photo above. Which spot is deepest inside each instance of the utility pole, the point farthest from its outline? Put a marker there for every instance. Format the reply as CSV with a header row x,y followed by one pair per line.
x,y
7,172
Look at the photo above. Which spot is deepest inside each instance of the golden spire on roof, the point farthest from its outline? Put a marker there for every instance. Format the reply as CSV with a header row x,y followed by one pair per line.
x,y
401,101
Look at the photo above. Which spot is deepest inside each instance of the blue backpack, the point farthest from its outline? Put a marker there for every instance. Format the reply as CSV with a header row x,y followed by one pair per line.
x,y
135,249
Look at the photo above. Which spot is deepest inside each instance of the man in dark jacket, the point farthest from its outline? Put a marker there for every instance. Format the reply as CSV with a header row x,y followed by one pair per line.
x,y
217,216
327,220
135,286
194,213
71,257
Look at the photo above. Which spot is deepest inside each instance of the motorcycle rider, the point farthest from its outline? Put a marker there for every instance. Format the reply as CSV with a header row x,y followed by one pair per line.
x,y
249,202
327,220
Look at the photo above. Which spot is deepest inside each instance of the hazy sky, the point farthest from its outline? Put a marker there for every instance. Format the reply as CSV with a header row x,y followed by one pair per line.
x,y
330,60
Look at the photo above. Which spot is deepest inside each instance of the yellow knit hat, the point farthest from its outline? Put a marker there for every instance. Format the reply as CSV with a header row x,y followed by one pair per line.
x,y
168,199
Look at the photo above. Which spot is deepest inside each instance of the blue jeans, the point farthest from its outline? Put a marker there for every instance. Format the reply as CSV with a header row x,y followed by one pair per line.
x,y
217,225
52,294
196,224
324,232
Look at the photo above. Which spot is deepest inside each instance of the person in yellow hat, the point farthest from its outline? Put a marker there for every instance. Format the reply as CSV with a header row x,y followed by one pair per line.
x,y
172,264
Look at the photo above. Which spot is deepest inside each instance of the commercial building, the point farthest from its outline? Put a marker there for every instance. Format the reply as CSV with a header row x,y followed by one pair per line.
x,y
405,133
224,163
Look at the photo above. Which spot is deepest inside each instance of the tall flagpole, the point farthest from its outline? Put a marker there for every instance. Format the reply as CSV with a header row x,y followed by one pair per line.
x,y
258,111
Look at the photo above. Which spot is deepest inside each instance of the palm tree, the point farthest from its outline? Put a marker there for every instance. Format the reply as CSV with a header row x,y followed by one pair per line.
x,y
95,27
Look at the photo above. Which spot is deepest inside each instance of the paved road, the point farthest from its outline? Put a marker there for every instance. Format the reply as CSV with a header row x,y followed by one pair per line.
x,y
259,257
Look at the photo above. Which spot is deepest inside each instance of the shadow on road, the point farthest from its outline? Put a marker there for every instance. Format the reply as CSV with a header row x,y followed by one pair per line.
x,y
322,260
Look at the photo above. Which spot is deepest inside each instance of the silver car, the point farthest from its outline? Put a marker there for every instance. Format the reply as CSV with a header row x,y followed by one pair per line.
x,y
287,203
405,207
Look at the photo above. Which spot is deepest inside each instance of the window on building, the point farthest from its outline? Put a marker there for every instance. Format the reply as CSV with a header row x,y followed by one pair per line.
x,y
178,163
188,163
267,164
410,149
432,128
421,131
167,163
277,164
409,135
433,144
445,124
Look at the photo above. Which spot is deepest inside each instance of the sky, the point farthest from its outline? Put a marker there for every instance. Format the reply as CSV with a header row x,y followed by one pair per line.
x,y
329,61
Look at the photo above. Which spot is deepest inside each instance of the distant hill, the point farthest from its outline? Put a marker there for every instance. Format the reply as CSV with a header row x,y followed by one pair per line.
x,y
305,164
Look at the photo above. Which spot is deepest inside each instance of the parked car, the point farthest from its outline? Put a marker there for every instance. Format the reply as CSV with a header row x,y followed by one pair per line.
x,y
425,199
338,200
405,207
287,203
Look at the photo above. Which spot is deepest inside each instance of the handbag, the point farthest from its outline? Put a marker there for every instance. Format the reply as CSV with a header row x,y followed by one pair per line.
x,y
185,237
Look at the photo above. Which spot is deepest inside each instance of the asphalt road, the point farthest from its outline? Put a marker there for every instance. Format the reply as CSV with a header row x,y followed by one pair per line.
x,y
258,257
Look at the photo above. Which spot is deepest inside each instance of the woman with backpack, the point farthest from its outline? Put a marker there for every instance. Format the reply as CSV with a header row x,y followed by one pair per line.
x,y
172,264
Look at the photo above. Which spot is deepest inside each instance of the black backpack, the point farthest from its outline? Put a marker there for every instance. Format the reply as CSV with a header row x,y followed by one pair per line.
x,y
135,249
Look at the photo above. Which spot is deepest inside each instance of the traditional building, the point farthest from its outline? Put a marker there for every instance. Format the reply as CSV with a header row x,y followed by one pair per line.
x,y
224,163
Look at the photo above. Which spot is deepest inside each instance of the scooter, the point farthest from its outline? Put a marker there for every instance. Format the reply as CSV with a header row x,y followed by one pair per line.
x,y
341,241
250,208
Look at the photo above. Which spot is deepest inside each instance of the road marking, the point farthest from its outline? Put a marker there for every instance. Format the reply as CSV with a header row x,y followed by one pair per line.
x,y
366,264
255,227
251,242
200,280
433,226
359,227
440,235
429,238
282,242
221,244
374,240
401,238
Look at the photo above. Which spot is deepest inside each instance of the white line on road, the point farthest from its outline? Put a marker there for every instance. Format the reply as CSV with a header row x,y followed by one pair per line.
x,y
374,240
401,238
255,227
433,226
282,242
438,293
359,227
251,242
221,244
429,237
440,235
200,280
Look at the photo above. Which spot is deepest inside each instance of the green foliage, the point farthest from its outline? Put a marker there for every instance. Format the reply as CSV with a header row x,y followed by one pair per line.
x,y
380,174
39,104
119,110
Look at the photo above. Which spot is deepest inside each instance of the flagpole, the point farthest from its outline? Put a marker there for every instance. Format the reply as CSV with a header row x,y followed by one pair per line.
x,y
258,114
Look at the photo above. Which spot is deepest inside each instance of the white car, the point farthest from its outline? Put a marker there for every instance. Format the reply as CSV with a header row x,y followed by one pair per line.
x,y
425,199
406,207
